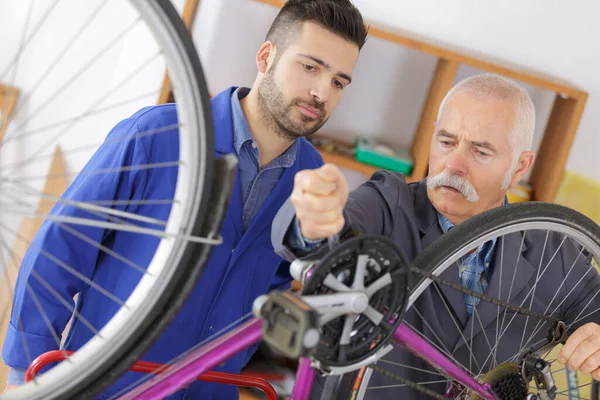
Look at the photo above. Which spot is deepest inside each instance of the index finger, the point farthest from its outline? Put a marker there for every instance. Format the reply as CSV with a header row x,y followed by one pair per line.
x,y
311,182
331,173
573,342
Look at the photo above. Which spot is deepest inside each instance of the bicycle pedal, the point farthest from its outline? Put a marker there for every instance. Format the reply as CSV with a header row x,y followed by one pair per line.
x,y
290,325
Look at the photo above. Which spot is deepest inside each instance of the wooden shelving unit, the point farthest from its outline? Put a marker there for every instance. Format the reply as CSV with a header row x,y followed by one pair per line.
x,y
558,136
8,100
346,161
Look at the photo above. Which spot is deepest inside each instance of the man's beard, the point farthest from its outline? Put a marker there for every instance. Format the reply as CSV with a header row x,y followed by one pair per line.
x,y
277,114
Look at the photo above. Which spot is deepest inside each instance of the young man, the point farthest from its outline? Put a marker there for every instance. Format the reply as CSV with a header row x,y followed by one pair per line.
x,y
481,146
303,66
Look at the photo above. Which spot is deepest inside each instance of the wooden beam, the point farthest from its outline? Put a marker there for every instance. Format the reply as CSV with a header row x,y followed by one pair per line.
x,y
499,67
549,167
443,79
55,187
189,15
8,101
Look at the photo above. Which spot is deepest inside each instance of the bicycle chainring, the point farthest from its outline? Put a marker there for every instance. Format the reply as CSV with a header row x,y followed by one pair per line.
x,y
367,337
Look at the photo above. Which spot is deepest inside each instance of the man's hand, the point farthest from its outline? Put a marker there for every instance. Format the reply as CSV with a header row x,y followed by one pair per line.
x,y
581,352
319,197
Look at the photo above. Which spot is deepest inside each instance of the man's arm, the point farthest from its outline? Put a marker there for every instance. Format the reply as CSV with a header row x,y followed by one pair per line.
x,y
369,209
56,248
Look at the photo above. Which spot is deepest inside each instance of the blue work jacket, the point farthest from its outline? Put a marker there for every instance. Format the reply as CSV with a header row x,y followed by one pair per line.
x,y
243,267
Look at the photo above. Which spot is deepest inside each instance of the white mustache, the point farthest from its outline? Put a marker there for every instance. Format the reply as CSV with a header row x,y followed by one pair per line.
x,y
459,183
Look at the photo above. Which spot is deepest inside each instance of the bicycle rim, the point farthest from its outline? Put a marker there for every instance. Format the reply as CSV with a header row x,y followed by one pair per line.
x,y
97,363
494,366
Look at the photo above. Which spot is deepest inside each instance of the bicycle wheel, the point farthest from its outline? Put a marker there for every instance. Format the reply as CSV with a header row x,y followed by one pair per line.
x,y
126,47
544,273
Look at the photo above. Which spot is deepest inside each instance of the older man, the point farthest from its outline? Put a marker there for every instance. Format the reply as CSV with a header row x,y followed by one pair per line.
x,y
481,146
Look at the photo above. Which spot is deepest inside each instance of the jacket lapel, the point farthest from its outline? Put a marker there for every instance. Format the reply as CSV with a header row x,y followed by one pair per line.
x,y
511,274
223,125
264,218
449,308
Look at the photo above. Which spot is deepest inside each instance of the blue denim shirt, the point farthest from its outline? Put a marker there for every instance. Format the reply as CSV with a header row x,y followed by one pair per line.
x,y
474,269
256,183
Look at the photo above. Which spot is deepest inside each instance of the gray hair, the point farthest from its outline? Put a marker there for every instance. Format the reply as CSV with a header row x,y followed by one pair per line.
x,y
497,87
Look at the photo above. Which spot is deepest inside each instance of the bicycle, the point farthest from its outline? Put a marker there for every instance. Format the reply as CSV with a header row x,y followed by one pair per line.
x,y
357,296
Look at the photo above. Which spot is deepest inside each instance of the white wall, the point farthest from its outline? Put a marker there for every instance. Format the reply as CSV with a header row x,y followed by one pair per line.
x,y
55,85
390,84
557,38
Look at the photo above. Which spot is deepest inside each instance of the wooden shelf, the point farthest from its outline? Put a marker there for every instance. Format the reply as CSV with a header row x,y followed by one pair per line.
x,y
346,161
8,101
548,169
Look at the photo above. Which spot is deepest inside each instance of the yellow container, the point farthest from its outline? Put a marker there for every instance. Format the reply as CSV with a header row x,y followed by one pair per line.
x,y
520,192
581,194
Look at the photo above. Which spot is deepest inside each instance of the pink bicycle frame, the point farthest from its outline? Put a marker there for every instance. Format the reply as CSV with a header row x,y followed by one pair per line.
x,y
218,351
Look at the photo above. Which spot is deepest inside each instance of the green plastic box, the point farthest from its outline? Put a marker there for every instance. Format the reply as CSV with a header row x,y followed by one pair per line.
x,y
366,153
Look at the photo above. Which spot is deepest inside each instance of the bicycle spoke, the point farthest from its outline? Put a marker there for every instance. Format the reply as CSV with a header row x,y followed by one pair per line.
x,y
104,249
404,385
430,330
32,213
68,306
20,329
576,387
535,286
531,291
585,316
484,334
131,202
119,36
17,60
445,352
495,352
104,203
140,167
578,317
67,268
538,327
26,40
54,63
72,120
97,210
456,324
99,246
63,132
512,284
128,228
410,367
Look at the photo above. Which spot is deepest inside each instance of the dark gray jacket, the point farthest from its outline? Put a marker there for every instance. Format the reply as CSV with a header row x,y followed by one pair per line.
x,y
567,283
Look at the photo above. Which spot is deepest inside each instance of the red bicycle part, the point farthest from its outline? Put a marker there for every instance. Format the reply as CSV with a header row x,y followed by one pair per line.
x,y
150,368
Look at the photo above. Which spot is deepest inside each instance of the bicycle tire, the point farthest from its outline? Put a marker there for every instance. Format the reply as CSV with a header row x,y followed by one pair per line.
x,y
204,221
431,258
493,220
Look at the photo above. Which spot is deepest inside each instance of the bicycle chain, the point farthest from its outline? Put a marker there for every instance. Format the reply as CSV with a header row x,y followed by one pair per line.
x,y
434,278
510,307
